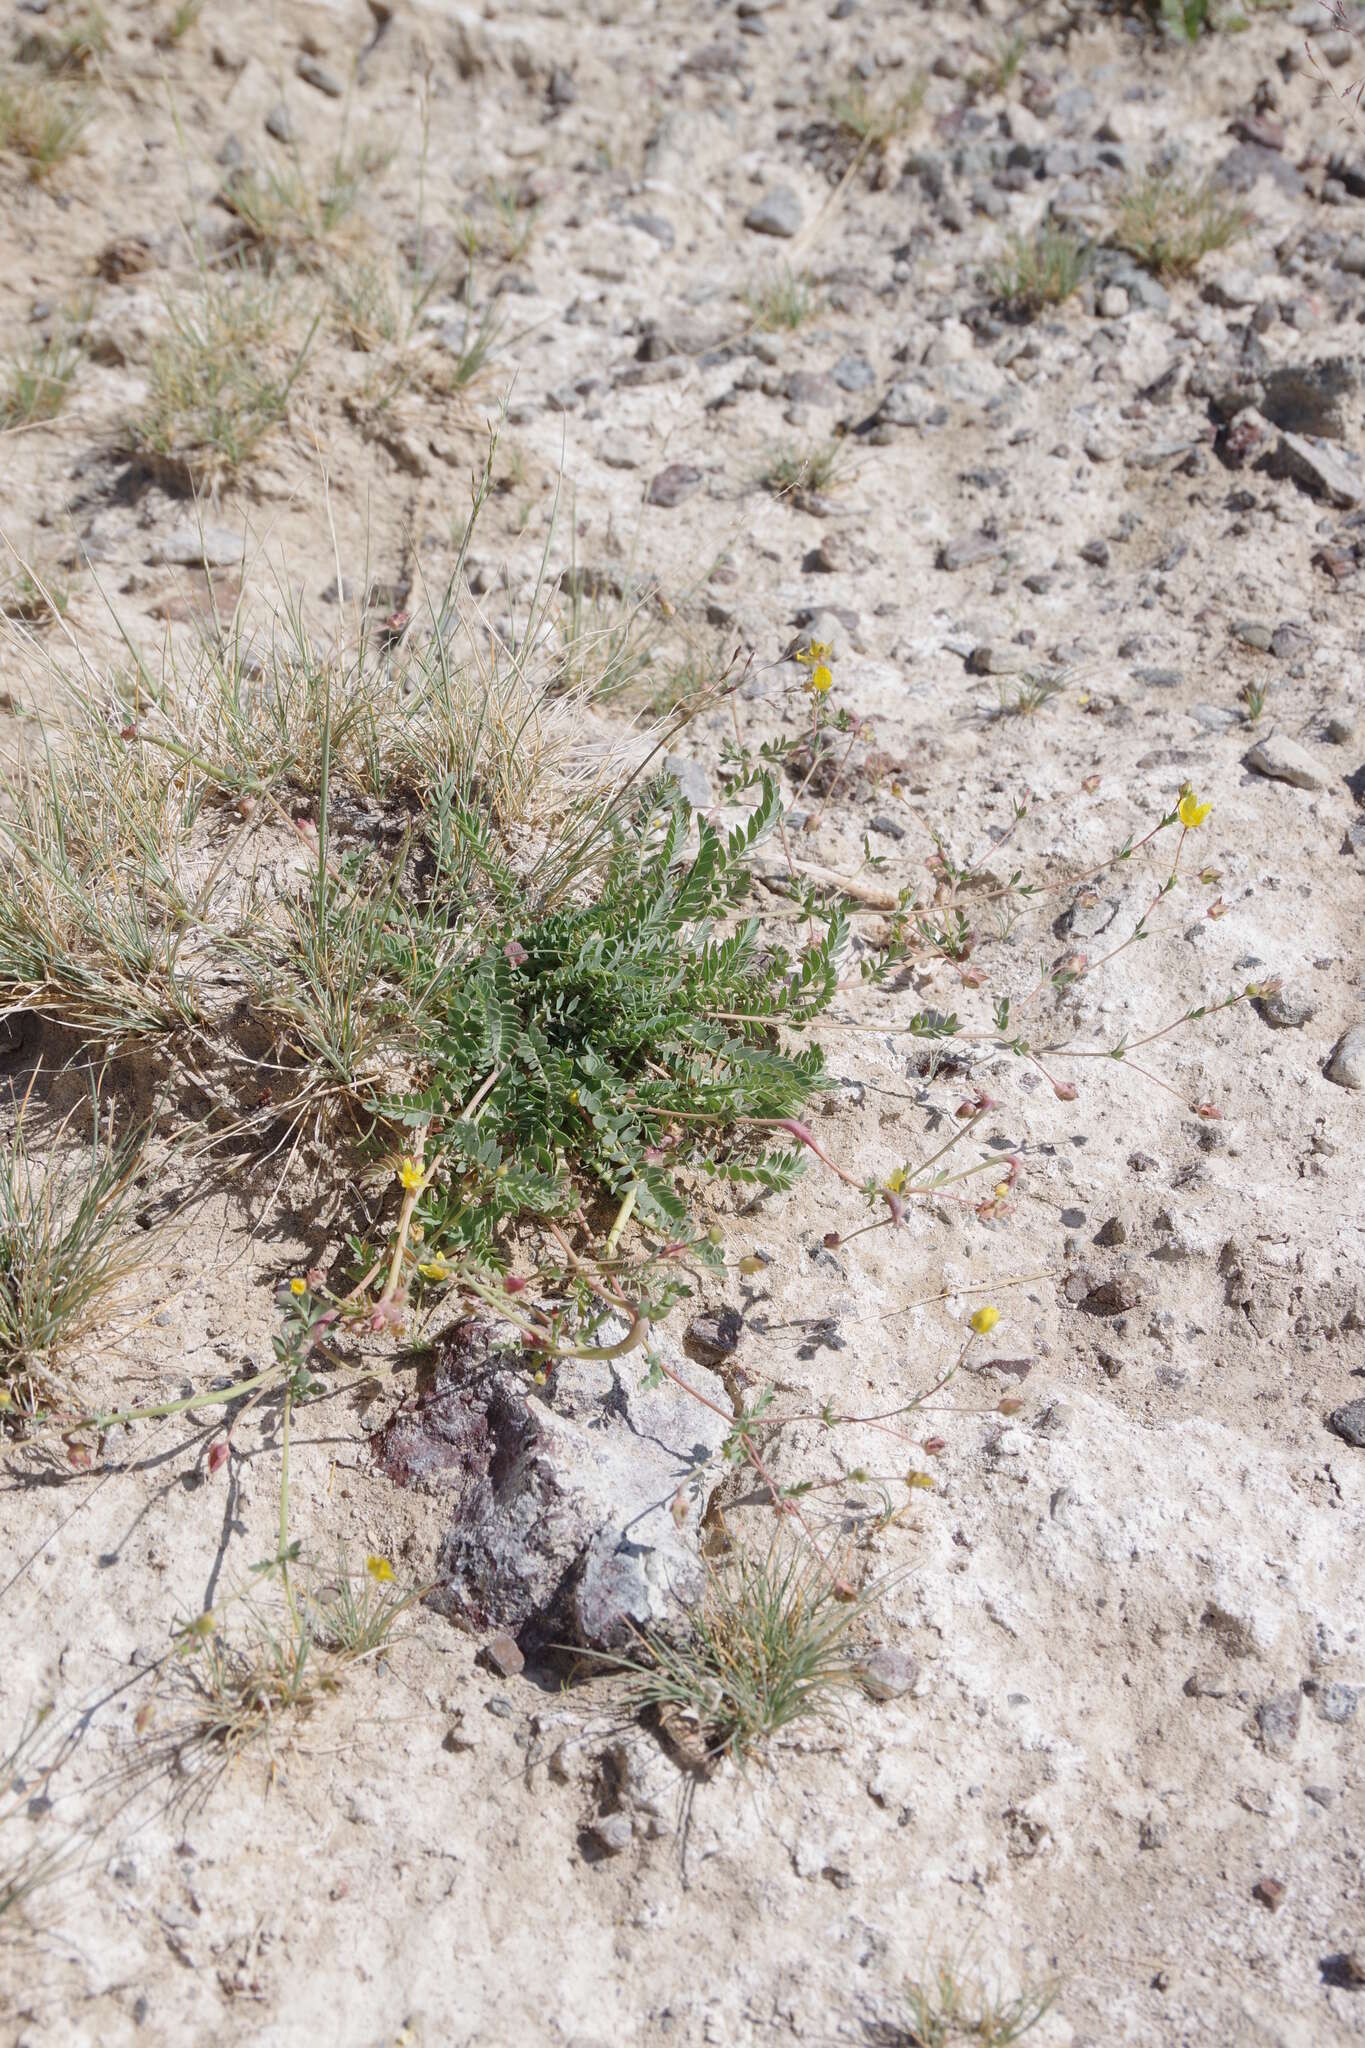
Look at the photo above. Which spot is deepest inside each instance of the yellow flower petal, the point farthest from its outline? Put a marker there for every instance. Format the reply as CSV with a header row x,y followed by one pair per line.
x,y
820,680
297,1286
410,1173
984,1320
1192,812
379,1568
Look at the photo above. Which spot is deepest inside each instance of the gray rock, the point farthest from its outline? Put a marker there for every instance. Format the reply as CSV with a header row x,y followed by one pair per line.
x,y
1284,760
691,778
1347,1063
1161,678
612,1833
715,1333
1277,1722
194,547
1214,717
989,660
854,373
1289,640
502,1656
1319,467
888,1673
674,484
655,226
1348,1423
279,123
1234,288
319,77
1311,398
1337,1703
778,212
1253,633
1285,1010
807,387
964,554
1113,301
577,1507
907,405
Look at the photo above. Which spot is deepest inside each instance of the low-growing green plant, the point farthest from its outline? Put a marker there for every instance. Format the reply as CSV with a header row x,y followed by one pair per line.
x,y
263,1661
952,2006
291,214
1170,224
1041,269
997,76
182,20
1187,19
795,473
771,1643
1022,696
1253,695
220,379
786,301
65,1246
875,120
31,598
38,382
72,40
25,1772
42,119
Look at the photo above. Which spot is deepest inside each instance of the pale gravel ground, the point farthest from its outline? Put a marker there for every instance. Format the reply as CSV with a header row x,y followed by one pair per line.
x,y
1056,1796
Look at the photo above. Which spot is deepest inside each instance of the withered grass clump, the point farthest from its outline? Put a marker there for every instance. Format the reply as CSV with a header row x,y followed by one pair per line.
x,y
1170,224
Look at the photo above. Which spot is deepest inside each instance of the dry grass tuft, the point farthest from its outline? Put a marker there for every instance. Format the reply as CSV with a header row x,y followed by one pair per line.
x,y
1041,269
1170,225
42,119
220,380
770,1644
65,1247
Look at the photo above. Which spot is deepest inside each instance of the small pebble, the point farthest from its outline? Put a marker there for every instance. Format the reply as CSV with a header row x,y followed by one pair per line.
x,y
502,1654
1284,760
778,213
887,1673
1347,1063
1348,1423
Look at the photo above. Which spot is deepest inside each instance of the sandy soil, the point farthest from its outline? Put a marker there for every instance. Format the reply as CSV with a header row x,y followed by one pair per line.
x,y
1136,1602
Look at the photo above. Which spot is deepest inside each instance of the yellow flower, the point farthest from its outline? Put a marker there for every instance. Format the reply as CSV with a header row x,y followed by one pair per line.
x,y
984,1320
896,1181
820,680
918,1479
297,1286
410,1173
1192,812
818,651
434,1269
379,1568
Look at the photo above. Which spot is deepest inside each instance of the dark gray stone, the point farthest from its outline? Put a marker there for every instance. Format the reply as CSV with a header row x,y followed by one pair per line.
x,y
674,484
1348,1423
1312,398
575,1507
319,77
888,1673
778,212
854,373
1277,1722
